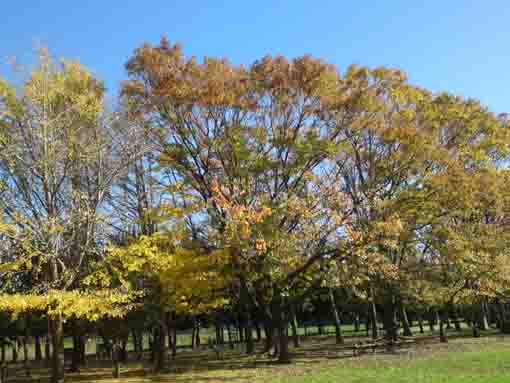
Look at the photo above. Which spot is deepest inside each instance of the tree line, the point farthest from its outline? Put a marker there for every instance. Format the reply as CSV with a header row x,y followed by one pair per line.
x,y
212,190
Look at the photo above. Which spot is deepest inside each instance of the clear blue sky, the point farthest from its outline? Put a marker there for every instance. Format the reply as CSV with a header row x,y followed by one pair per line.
x,y
462,46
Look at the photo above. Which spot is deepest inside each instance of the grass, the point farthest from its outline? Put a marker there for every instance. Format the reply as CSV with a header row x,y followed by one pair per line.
x,y
319,360
485,360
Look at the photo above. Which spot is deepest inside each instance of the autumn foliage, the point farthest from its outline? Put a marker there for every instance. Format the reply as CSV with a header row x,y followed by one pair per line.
x,y
251,187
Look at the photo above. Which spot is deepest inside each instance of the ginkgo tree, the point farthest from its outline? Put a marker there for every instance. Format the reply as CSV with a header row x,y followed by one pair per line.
x,y
60,153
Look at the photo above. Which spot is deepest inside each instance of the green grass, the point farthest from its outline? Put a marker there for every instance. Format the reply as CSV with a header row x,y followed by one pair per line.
x,y
462,361
320,360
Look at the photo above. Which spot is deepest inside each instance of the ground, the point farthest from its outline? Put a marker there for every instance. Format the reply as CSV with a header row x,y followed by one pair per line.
x,y
319,360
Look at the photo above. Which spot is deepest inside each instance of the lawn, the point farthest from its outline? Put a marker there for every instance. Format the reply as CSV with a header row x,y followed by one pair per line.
x,y
319,360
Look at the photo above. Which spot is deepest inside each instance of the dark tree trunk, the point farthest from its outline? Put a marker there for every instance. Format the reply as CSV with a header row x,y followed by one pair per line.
x,y
294,326
240,329
373,319
197,334
250,345
442,332
161,352
76,355
259,331
484,322
174,335
269,335
137,346
14,349
56,327
320,328
447,321
405,321
338,324
356,322
2,350
116,359
282,325
431,321
219,337
38,348
455,319
420,323
47,351
390,322
475,324
123,351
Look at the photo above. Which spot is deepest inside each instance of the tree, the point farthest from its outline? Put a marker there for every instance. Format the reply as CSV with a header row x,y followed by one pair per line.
x,y
60,153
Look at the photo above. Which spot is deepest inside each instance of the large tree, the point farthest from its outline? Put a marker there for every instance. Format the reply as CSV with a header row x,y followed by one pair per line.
x,y
60,152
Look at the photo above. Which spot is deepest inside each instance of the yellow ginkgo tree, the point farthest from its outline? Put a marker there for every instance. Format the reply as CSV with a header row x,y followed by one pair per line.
x,y
60,153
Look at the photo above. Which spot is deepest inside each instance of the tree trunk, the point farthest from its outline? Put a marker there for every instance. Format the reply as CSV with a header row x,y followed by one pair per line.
x,y
14,350
431,321
390,322
373,319
484,322
197,334
38,348
219,329
442,333
420,323
47,351
338,324
116,359
269,335
56,327
161,355
2,350
447,321
405,321
294,326
282,323
240,330
174,335
356,322
76,356
136,345
123,351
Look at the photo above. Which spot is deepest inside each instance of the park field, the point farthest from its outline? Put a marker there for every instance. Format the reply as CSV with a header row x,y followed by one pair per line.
x,y
319,360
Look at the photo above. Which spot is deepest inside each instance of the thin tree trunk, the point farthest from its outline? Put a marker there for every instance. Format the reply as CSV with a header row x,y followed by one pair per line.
x,y
283,355
420,323
484,323
293,324
431,321
405,321
116,359
258,331
197,334
56,326
14,350
47,351
338,324
76,355
442,333
161,355
456,319
269,335
38,348
390,323
356,322
2,350
373,314
174,335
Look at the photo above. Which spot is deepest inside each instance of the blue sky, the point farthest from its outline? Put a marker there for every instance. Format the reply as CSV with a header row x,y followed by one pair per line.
x,y
462,46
